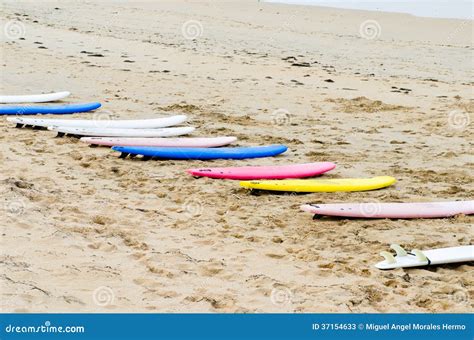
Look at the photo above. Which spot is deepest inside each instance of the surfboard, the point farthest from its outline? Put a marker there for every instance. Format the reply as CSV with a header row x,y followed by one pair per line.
x,y
202,153
392,210
417,258
185,142
34,98
265,172
106,132
47,109
101,123
321,185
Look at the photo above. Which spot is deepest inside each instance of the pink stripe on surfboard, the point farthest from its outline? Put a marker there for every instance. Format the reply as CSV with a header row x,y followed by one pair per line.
x,y
265,172
392,210
186,142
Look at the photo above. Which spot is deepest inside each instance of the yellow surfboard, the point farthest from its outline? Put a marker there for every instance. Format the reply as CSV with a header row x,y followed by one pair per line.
x,y
321,185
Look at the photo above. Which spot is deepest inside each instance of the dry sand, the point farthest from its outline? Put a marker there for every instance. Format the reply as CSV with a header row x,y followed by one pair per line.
x,y
84,231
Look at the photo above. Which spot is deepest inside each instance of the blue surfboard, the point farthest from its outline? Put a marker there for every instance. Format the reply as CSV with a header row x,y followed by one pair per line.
x,y
47,109
202,153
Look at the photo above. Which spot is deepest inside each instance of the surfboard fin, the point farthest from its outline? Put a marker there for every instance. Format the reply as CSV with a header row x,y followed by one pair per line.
x,y
123,155
19,126
419,255
388,257
399,250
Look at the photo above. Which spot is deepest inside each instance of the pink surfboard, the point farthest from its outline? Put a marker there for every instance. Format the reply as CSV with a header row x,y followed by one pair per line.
x,y
188,142
392,210
265,172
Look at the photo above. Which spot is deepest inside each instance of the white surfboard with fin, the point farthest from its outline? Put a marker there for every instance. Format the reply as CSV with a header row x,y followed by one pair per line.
x,y
106,132
417,258
153,123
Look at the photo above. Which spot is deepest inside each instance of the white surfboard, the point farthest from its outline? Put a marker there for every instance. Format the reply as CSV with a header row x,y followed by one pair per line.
x,y
101,123
34,98
180,142
106,132
392,210
417,258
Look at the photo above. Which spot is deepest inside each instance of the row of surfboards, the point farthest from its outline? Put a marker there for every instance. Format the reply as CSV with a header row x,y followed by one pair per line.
x,y
149,138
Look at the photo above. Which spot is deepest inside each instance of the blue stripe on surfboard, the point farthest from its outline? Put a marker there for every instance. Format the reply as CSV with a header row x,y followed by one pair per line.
x,y
204,153
47,109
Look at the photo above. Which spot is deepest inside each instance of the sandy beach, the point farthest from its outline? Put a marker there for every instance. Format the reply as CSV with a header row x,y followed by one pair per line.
x,y
376,93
